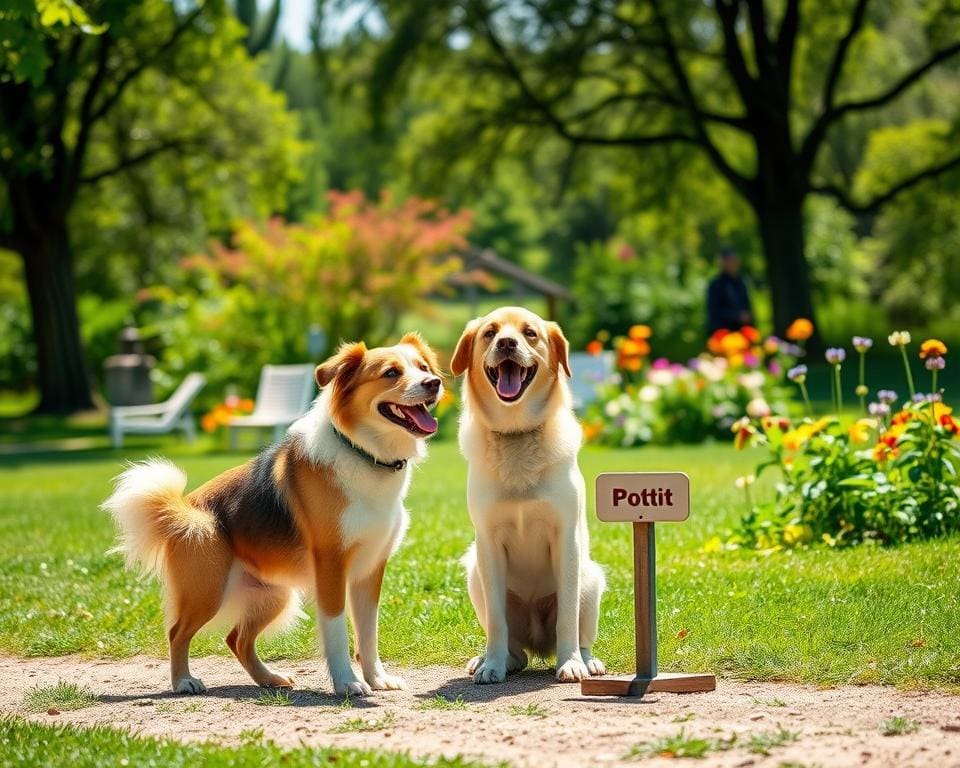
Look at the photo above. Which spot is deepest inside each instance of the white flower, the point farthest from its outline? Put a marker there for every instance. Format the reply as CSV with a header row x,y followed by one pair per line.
x,y
648,393
752,380
612,408
899,338
745,481
661,377
758,408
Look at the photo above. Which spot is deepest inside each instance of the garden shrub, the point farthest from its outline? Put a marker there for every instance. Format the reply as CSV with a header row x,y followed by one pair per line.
x,y
351,272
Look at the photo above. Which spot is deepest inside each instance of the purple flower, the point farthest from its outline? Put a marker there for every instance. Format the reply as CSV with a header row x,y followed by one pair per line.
x,y
836,355
935,363
693,363
660,364
887,396
676,369
862,343
798,374
879,409
919,397
774,368
751,360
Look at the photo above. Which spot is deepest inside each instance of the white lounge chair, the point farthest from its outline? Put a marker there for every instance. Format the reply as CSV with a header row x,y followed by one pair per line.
x,y
159,418
283,396
587,372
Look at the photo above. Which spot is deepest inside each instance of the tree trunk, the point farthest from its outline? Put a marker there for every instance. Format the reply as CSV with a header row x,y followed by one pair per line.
x,y
62,375
788,274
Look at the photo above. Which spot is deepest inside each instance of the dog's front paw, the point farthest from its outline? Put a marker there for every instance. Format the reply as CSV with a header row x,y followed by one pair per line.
x,y
572,671
384,682
596,667
189,685
490,671
353,688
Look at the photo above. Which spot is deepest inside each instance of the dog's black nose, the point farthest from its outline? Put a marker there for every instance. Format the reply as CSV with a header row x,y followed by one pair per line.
x,y
431,385
506,342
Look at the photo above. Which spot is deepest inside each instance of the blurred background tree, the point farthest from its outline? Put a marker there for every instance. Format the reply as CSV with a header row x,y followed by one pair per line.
x,y
758,88
125,119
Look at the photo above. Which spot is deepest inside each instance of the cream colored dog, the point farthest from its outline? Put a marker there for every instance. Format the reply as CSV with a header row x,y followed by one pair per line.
x,y
530,576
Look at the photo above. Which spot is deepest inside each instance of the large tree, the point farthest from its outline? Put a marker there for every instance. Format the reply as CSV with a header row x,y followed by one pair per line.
x,y
759,88
133,96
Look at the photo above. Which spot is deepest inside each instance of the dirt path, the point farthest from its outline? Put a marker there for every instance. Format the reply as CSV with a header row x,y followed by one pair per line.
x,y
530,721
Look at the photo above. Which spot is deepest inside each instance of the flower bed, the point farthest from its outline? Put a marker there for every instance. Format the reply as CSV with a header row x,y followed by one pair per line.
x,y
888,476
665,402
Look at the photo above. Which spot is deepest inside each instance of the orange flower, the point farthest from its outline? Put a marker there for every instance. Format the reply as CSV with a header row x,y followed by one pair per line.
x,y
950,424
208,423
246,405
634,347
734,343
750,333
932,348
901,418
640,332
881,452
800,329
632,364
595,347
715,342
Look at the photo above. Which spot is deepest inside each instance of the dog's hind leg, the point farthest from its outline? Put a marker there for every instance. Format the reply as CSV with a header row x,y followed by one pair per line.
x,y
195,577
592,584
264,605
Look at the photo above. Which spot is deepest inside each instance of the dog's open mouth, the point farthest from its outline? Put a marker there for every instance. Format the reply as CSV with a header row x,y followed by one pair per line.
x,y
413,418
510,379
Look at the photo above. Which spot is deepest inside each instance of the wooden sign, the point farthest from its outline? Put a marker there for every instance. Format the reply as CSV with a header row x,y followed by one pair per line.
x,y
652,497
644,498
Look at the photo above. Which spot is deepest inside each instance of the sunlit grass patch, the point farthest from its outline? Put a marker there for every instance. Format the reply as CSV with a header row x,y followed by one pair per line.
x,y
364,725
63,697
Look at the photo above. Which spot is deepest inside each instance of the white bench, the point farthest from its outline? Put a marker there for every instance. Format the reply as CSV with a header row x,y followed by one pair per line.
x,y
159,418
283,396
587,372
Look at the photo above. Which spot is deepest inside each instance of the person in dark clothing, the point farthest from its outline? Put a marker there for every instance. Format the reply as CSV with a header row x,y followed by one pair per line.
x,y
728,302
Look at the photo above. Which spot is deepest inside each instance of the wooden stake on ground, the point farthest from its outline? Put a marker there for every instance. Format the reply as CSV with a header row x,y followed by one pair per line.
x,y
643,498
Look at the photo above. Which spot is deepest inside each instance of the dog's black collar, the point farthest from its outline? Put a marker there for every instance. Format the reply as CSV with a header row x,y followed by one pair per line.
x,y
393,466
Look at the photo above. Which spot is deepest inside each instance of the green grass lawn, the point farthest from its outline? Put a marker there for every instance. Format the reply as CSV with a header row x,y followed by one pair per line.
x,y
25,743
821,616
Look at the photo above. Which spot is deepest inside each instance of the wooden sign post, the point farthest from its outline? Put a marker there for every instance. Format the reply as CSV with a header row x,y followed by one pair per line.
x,y
645,498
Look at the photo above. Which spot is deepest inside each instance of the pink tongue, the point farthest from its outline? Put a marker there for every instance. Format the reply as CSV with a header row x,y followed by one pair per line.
x,y
508,379
421,417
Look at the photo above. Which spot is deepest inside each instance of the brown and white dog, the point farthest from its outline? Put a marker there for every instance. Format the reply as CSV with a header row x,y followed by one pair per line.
x,y
530,576
319,512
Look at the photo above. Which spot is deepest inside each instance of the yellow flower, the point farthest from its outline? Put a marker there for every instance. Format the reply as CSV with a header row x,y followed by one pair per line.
x,y
800,329
794,533
899,338
932,348
640,332
861,430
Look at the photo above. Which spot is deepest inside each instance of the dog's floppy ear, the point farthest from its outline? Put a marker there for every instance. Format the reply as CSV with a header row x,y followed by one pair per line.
x,y
342,365
559,348
414,339
464,351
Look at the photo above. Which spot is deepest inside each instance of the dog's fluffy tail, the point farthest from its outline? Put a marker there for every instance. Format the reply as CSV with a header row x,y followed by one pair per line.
x,y
149,508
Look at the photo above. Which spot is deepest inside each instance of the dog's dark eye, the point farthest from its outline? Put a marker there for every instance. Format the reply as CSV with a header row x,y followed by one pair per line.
x,y
489,333
424,367
530,333
391,373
